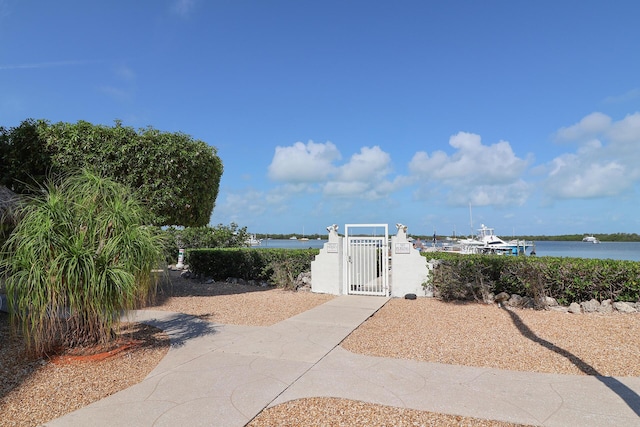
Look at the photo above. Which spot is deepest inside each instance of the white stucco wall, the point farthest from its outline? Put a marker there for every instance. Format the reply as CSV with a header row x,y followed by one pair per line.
x,y
326,269
409,269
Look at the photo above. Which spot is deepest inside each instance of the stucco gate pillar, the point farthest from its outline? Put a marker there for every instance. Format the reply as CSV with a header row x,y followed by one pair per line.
x,y
409,269
326,269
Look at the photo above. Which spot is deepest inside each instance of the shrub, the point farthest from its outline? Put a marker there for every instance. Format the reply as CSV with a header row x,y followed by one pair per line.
x,y
567,280
219,236
277,266
78,256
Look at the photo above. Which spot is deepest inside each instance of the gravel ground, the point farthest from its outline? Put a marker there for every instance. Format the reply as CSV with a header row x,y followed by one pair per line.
x,y
475,334
424,329
234,304
326,411
33,392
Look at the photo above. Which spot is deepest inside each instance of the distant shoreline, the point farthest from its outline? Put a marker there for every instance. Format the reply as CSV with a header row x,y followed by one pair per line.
x,y
603,237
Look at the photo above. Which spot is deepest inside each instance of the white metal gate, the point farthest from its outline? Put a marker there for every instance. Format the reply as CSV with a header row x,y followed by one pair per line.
x,y
367,259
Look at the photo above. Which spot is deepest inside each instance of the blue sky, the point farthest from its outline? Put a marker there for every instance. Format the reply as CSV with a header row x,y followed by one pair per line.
x,y
357,111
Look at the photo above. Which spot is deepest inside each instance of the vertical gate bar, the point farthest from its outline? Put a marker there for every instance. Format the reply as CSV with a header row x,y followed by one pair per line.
x,y
381,263
350,265
374,264
356,274
363,261
371,266
383,273
378,267
367,271
355,265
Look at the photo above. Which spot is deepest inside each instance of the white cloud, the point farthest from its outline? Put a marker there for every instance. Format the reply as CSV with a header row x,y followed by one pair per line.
x,y
474,173
514,194
601,167
344,188
473,162
364,176
588,127
313,167
246,206
572,178
310,163
626,131
370,164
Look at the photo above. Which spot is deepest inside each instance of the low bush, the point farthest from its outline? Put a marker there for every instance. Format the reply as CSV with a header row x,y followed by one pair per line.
x,y
277,266
219,236
469,277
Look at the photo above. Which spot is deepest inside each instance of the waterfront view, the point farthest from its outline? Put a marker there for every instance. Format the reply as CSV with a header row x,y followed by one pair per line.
x,y
606,250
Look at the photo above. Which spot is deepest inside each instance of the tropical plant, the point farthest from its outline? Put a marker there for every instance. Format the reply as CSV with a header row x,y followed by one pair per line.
x,y
79,255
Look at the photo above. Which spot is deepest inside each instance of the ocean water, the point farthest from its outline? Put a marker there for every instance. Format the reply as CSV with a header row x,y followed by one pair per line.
x,y
291,244
605,250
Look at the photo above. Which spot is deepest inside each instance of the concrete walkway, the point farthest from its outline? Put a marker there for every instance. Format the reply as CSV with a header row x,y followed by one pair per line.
x,y
224,375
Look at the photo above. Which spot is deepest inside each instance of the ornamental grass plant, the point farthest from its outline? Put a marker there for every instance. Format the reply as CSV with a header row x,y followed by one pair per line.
x,y
80,254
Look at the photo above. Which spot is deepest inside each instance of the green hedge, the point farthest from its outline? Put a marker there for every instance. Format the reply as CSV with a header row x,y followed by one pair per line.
x,y
277,266
565,279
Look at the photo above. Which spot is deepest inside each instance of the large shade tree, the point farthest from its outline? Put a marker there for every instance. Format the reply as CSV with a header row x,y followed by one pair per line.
x,y
176,176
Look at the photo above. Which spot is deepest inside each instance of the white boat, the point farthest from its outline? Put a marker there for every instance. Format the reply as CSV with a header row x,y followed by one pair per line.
x,y
252,241
486,242
590,239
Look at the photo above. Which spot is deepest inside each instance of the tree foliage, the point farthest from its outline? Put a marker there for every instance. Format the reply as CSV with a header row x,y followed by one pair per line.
x,y
78,256
176,176
25,161
219,236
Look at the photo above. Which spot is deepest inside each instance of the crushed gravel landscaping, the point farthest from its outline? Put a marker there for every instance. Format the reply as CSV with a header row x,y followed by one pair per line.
x,y
35,391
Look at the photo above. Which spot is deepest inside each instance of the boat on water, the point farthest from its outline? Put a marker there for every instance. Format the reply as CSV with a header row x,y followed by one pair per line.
x,y
253,241
486,242
303,236
590,239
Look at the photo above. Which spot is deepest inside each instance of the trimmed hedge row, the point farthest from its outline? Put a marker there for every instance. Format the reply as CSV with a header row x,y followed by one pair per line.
x,y
278,266
567,280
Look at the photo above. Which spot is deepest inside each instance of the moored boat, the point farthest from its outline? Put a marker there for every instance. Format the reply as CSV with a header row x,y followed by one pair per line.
x,y
486,242
253,241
